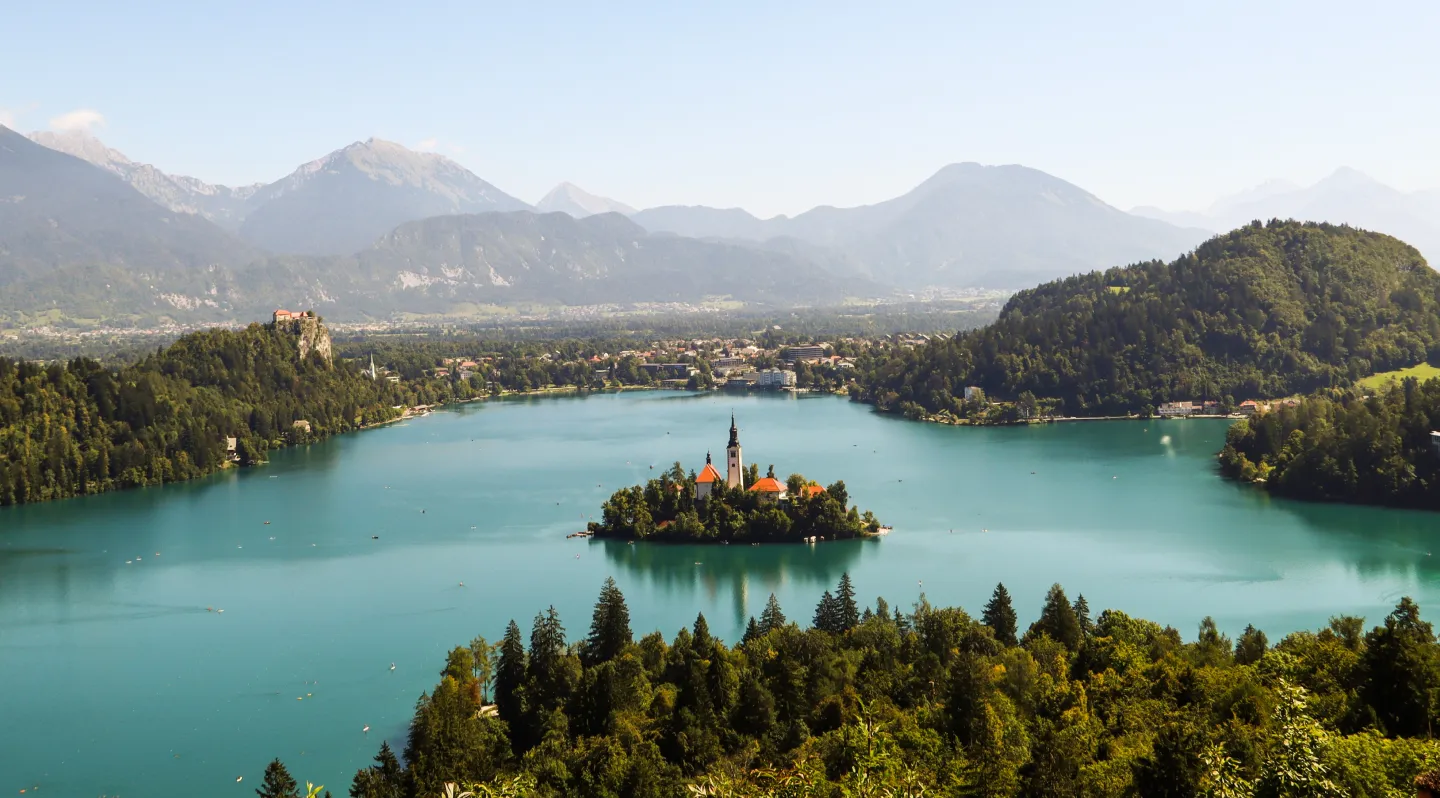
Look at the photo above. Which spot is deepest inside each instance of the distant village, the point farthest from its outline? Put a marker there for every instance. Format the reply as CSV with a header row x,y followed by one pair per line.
x,y
724,363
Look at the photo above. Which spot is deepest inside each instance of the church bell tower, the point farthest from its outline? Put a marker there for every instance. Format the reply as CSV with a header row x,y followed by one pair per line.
x,y
734,474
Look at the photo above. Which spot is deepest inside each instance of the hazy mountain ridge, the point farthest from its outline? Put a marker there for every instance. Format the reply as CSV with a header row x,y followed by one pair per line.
x,y
58,211
1345,196
966,226
223,205
341,203
78,242
570,198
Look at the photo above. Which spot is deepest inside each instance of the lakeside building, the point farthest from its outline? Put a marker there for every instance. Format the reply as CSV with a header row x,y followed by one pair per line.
x,y
796,354
1435,442
775,378
1249,407
1177,409
971,391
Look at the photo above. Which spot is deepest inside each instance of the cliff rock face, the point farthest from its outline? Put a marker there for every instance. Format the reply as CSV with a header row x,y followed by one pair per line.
x,y
312,334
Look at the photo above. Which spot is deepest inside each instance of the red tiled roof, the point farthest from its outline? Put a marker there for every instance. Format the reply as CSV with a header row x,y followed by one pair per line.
x,y
768,485
708,475
811,490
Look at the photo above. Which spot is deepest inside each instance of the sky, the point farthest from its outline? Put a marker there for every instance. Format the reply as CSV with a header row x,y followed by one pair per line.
x,y
771,106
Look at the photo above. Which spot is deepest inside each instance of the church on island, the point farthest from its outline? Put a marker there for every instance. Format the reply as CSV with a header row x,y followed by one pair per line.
x,y
768,488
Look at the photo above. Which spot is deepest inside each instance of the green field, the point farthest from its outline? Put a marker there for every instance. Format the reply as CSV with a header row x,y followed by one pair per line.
x,y
1422,372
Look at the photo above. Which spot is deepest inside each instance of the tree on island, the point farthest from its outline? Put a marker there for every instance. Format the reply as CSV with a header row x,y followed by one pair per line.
x,y
669,508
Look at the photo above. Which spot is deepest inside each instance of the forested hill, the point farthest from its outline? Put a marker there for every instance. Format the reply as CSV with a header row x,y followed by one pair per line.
x,y
1347,447
69,429
1264,311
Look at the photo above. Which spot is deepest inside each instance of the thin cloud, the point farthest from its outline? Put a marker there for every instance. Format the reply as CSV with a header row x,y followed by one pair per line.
x,y
7,117
80,119
428,145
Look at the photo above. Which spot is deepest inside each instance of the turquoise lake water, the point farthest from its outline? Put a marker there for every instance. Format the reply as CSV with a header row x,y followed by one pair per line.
x,y
115,679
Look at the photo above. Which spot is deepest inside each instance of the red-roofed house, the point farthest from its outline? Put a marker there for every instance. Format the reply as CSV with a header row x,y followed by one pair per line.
x,y
810,491
769,488
706,481
286,315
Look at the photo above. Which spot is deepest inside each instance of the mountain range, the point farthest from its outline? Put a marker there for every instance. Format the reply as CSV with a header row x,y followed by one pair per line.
x,y
1346,196
375,229
967,226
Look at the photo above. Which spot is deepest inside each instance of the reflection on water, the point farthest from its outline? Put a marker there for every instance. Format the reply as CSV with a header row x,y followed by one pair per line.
x,y
747,574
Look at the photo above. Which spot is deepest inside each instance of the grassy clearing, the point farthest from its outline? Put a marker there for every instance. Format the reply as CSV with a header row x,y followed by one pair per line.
x,y
1422,372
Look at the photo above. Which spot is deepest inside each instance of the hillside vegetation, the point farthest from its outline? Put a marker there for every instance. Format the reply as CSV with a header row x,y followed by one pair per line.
x,y
78,428
1264,311
876,701
1345,447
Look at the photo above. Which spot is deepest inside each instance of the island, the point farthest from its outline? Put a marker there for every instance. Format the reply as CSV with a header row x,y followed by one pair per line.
x,y
740,507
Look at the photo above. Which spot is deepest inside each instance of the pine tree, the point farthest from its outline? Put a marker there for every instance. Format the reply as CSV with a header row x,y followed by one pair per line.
x,y
701,641
545,676
1082,616
882,608
827,614
1251,646
278,783
999,615
847,614
772,618
609,626
752,631
510,675
1057,619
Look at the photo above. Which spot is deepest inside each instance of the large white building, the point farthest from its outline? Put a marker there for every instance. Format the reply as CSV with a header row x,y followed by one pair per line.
x,y
775,378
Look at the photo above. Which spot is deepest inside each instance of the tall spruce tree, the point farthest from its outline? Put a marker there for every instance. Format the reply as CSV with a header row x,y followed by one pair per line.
x,y
510,675
752,631
1401,668
1082,616
847,615
701,641
277,782
545,674
1057,619
999,615
771,618
384,779
827,614
609,626
1251,646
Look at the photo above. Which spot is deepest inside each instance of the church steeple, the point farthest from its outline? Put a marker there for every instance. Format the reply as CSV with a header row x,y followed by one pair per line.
x,y
734,471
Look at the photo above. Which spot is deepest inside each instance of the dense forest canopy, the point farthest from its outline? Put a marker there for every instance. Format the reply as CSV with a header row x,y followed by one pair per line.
x,y
1264,311
77,428
1345,446
879,701
667,509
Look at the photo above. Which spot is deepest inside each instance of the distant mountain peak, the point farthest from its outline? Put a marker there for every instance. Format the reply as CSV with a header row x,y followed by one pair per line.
x,y
84,146
570,198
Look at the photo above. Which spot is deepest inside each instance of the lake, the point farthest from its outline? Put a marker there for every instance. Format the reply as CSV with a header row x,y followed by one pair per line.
x,y
117,681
